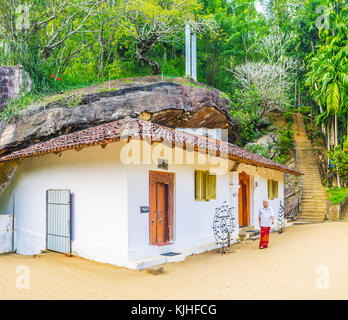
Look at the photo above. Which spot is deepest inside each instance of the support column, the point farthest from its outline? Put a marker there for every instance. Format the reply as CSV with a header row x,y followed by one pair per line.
x,y
234,192
194,56
188,50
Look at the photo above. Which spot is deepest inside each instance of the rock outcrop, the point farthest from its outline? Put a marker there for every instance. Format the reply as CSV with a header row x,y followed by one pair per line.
x,y
270,143
13,81
165,103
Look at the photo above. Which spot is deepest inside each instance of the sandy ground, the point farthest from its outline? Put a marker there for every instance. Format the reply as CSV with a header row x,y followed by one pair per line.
x,y
297,261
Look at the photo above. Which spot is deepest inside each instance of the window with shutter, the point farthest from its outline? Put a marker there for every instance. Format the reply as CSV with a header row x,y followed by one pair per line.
x,y
211,194
272,189
275,189
205,186
198,185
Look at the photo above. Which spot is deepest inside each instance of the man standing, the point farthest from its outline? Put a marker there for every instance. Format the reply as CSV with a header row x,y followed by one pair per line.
x,y
266,219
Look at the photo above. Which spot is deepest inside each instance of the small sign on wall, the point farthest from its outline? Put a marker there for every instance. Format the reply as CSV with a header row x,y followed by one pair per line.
x,y
144,209
162,164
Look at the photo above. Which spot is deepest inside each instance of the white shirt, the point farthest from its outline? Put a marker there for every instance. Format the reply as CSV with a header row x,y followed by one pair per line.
x,y
266,216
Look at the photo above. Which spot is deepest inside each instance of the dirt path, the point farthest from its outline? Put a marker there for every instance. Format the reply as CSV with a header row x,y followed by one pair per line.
x,y
287,270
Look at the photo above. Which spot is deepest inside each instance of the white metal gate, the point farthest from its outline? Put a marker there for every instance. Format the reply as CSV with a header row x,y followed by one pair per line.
x,y
58,220
6,233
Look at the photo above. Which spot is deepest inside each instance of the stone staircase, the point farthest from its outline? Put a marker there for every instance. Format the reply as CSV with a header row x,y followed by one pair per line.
x,y
314,200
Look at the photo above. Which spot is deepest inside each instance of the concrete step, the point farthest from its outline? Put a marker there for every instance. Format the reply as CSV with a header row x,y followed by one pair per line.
x,y
311,218
312,206
311,198
310,203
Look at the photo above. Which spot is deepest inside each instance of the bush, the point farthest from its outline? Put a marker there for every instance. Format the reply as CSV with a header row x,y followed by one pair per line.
x,y
337,195
288,115
246,107
305,109
286,141
258,149
339,159
282,158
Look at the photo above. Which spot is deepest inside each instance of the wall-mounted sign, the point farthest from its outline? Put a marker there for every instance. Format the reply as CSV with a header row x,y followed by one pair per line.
x,y
162,164
144,209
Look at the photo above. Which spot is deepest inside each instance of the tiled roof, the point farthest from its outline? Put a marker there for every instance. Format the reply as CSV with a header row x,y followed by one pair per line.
x,y
128,127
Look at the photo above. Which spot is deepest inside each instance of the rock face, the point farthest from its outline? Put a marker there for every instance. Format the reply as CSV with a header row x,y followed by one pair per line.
x,y
13,80
164,103
270,142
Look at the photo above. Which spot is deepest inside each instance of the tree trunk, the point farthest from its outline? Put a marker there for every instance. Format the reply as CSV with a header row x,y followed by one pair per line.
x,y
328,142
332,134
101,55
321,111
336,138
141,55
336,143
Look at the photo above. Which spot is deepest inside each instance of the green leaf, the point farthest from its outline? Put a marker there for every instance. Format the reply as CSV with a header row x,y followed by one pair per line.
x,y
333,97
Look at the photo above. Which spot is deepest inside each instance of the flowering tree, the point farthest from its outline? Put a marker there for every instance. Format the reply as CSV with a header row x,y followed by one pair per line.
x,y
36,31
149,22
271,82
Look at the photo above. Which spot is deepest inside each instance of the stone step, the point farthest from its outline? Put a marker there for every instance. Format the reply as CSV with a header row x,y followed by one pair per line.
x,y
314,192
314,196
311,217
311,182
313,211
309,203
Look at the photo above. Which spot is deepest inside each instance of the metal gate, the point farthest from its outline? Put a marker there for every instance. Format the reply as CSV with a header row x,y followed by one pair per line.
x,y
58,220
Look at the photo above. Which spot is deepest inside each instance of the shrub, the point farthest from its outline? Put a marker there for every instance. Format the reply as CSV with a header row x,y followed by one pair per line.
x,y
286,141
246,107
288,115
337,195
282,158
339,159
305,109
259,149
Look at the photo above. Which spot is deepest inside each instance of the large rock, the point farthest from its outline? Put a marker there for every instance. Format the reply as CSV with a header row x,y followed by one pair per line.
x,y
270,143
162,102
13,81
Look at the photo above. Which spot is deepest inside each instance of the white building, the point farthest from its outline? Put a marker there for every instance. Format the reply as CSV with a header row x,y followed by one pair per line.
x,y
115,203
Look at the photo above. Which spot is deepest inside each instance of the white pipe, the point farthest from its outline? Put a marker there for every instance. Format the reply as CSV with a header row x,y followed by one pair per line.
x,y
194,56
188,50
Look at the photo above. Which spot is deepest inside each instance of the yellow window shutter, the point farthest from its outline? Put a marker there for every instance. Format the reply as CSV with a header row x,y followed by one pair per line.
x,y
211,189
198,185
205,175
270,189
275,189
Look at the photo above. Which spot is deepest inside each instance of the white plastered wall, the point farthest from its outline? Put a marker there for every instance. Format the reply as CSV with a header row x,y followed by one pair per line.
x,y
98,183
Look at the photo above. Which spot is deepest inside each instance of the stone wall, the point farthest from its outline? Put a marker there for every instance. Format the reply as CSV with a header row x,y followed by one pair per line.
x,y
338,211
13,80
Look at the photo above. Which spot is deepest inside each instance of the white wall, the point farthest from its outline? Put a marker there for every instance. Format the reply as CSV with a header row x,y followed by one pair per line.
x,y
5,233
107,195
193,220
98,182
260,193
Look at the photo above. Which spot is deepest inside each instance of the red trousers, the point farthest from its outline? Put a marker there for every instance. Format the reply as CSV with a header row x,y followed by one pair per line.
x,y
264,238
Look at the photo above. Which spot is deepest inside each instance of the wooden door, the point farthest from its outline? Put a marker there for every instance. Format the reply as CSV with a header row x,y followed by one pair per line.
x,y
161,219
161,207
244,199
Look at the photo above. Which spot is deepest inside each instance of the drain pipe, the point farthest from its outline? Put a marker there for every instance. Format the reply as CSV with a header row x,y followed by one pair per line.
x,y
13,222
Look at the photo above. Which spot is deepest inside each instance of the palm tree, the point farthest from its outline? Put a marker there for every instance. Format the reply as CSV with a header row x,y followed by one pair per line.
x,y
328,73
